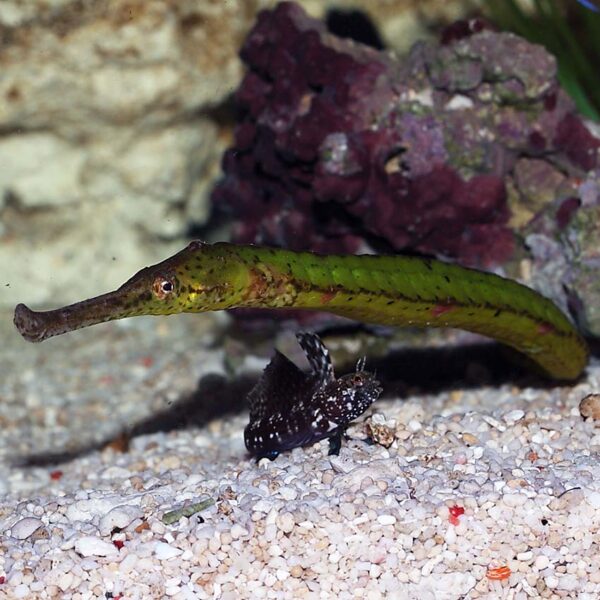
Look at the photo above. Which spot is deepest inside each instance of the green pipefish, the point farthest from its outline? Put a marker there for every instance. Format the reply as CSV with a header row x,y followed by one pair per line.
x,y
389,290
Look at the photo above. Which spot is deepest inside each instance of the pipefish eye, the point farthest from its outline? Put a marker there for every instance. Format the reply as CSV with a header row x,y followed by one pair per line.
x,y
163,287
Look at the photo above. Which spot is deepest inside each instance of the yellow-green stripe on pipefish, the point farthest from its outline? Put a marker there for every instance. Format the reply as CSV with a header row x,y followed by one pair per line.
x,y
390,290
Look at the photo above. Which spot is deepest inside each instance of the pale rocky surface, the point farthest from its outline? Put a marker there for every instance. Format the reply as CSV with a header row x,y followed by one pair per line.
x,y
112,128
374,522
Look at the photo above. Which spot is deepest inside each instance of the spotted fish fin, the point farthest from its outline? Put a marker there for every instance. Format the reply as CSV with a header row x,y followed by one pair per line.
x,y
317,355
280,386
361,364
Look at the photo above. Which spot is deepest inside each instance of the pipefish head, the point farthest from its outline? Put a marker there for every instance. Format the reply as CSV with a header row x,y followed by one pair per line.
x,y
206,277
196,279
193,280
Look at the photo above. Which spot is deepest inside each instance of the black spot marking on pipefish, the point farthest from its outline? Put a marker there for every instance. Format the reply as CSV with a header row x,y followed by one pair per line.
x,y
290,408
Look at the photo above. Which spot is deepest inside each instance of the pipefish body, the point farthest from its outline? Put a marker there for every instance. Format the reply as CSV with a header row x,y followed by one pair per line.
x,y
388,290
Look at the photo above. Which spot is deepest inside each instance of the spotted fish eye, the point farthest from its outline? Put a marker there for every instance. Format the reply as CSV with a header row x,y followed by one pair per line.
x,y
163,287
358,379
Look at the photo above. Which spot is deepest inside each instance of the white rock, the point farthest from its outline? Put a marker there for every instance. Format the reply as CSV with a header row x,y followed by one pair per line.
x,y
492,422
22,529
21,591
342,464
129,563
593,499
285,522
288,493
513,416
386,519
89,564
525,556
237,531
94,546
459,102
49,176
568,582
414,426
262,506
119,517
65,581
87,510
115,472
171,591
541,562
454,584
374,571
165,551
514,500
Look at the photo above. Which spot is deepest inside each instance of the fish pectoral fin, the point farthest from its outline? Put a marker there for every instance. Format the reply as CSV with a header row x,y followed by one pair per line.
x,y
335,441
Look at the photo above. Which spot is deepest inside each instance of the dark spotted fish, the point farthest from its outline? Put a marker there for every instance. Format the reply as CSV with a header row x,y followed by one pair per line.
x,y
290,408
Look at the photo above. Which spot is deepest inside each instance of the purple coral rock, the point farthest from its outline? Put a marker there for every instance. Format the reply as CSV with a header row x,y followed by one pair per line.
x,y
566,210
341,147
576,141
564,250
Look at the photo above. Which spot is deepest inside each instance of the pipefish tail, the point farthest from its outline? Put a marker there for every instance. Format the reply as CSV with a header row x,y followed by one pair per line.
x,y
389,290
